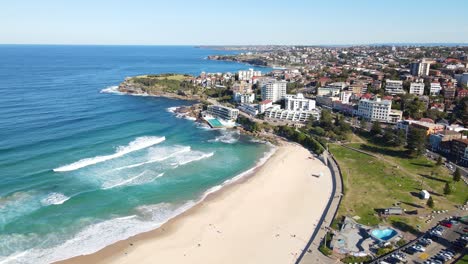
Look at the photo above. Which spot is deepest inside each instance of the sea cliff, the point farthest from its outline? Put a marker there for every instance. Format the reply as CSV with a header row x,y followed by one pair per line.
x,y
175,86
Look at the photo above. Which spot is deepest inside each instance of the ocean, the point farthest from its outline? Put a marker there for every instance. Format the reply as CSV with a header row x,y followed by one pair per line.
x,y
82,167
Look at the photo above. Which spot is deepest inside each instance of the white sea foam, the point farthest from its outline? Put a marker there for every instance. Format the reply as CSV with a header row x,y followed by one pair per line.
x,y
191,157
255,140
179,115
190,118
203,126
228,137
137,144
54,198
159,154
135,180
112,90
172,109
17,204
97,236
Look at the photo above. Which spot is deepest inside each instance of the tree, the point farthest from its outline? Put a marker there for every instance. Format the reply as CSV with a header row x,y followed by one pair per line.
x,y
457,175
416,109
400,138
439,161
416,141
430,202
447,188
461,110
326,120
376,128
435,114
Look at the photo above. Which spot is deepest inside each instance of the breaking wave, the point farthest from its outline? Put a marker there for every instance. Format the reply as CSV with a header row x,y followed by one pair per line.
x,y
54,198
98,235
193,156
160,154
137,144
112,90
228,137
130,181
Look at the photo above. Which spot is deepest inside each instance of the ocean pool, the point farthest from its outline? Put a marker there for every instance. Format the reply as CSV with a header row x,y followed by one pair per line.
x,y
384,234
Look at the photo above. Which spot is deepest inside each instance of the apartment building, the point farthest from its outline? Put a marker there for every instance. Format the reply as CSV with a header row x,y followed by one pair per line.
x,y
375,110
274,90
298,102
223,112
417,88
394,87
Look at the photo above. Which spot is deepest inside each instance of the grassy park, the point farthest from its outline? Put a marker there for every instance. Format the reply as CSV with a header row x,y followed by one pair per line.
x,y
387,177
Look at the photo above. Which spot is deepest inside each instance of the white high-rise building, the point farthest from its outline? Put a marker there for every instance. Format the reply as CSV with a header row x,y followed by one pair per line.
x,y
248,75
394,87
417,88
345,96
435,88
375,110
420,68
274,90
244,98
298,102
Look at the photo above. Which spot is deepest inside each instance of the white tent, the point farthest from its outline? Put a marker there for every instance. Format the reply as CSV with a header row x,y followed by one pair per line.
x,y
424,194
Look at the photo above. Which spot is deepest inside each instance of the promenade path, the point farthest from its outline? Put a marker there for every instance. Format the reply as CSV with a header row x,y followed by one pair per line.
x,y
311,254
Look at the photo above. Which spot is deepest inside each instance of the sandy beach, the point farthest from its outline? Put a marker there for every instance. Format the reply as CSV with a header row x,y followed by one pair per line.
x,y
265,218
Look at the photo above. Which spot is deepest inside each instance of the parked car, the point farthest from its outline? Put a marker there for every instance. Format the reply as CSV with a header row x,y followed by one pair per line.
x,y
419,248
425,241
446,224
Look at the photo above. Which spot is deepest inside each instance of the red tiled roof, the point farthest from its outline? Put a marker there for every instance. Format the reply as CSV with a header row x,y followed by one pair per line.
x,y
427,120
266,102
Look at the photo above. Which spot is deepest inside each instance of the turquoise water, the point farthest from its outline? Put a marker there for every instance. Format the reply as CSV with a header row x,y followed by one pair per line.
x,y
82,168
215,123
384,234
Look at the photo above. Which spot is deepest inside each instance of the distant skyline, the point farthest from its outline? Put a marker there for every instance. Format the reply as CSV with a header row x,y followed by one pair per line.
x,y
209,22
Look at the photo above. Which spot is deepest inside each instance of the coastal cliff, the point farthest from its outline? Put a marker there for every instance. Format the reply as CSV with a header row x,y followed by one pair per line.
x,y
178,86
240,58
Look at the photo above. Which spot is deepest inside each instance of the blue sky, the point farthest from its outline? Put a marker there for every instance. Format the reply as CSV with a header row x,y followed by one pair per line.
x,y
306,22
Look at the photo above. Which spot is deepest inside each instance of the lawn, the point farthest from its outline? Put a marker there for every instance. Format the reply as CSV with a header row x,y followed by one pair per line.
x,y
372,183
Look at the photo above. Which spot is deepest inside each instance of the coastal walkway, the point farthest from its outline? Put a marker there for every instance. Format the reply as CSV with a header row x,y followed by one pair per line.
x,y
311,254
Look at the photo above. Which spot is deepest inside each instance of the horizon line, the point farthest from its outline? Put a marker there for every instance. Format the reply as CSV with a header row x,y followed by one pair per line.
x,y
250,45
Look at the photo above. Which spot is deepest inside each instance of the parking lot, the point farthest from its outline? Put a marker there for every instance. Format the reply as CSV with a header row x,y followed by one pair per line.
x,y
442,244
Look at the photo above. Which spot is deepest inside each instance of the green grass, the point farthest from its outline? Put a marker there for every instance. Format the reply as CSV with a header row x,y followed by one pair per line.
x,y
378,182
464,260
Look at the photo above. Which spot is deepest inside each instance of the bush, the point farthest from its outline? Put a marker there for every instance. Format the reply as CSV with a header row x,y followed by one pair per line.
x,y
325,250
301,138
430,202
353,259
384,250
401,242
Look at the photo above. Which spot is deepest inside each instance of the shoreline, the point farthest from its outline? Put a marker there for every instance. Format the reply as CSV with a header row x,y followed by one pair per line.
x,y
138,246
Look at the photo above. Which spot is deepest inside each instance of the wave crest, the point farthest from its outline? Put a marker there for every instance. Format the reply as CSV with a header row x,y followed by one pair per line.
x,y
54,198
228,137
137,144
112,90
